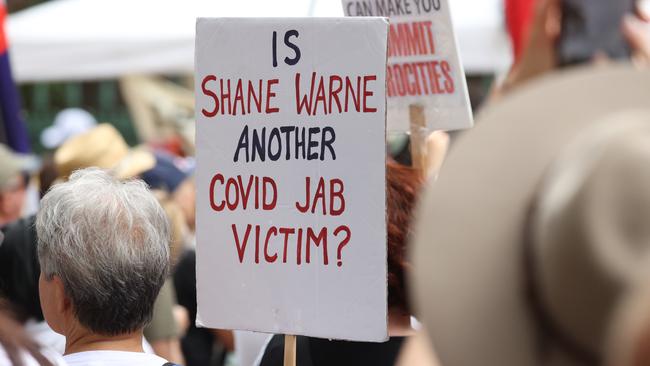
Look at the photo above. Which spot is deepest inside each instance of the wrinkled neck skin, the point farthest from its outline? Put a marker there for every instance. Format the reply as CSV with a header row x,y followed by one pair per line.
x,y
80,339
399,324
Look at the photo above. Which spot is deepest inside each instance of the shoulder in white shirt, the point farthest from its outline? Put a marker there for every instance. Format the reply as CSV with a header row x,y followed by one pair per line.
x,y
113,358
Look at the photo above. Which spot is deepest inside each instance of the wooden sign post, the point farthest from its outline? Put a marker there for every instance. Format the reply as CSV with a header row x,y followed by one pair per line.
x,y
428,149
418,137
290,350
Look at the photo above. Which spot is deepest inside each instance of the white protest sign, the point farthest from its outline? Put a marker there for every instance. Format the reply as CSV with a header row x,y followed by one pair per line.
x,y
424,65
291,232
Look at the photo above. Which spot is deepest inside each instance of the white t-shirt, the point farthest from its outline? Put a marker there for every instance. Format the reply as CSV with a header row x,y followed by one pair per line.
x,y
113,358
46,337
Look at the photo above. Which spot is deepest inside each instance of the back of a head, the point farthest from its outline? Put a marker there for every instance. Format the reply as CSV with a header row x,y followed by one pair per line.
x,y
536,232
108,242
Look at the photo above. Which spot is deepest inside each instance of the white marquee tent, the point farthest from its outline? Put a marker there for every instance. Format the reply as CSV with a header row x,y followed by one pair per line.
x,y
92,39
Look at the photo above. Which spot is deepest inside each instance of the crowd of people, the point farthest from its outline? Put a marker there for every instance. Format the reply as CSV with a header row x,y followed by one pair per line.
x,y
528,247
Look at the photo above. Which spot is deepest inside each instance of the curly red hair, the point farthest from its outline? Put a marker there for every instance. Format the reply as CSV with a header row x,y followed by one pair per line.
x,y
403,185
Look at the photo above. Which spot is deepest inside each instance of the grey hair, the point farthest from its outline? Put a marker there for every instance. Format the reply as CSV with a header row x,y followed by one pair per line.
x,y
108,241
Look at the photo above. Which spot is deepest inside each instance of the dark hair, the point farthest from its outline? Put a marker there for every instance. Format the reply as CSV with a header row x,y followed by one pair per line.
x,y
19,270
402,188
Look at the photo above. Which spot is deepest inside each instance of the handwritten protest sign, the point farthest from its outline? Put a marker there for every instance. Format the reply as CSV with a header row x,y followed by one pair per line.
x,y
424,65
291,234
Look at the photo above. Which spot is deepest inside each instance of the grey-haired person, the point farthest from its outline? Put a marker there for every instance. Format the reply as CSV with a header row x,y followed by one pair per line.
x,y
104,254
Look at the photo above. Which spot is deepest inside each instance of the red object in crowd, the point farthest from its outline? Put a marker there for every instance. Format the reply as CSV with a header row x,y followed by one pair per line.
x,y
519,16
3,37
172,145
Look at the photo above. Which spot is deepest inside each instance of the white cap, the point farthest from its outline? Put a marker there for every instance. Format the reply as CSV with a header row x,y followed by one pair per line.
x,y
67,123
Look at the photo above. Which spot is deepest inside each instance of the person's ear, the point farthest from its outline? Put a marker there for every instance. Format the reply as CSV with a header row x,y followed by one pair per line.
x,y
62,303
54,302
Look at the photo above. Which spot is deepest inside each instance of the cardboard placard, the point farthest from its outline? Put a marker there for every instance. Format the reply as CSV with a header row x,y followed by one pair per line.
x,y
291,232
424,67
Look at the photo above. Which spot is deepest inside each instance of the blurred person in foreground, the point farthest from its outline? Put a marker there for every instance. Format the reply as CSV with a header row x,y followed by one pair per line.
x,y
531,246
536,37
402,188
103,246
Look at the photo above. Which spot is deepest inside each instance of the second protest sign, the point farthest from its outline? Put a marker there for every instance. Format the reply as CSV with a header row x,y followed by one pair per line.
x,y
424,66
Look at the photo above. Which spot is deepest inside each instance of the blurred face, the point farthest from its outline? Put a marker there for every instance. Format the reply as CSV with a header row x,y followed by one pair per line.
x,y
12,200
53,302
